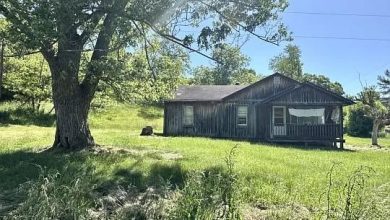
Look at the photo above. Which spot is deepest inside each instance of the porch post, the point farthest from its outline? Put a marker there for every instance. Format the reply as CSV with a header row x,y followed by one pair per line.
x,y
271,129
342,127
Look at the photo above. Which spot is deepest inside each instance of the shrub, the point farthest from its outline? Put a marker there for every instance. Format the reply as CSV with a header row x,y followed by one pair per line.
x,y
358,124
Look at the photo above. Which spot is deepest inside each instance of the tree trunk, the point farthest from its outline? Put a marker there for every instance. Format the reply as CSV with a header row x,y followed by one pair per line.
x,y
72,129
71,105
374,134
1,66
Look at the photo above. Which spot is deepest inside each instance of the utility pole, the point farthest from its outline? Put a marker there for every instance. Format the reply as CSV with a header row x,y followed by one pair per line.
x,y
1,65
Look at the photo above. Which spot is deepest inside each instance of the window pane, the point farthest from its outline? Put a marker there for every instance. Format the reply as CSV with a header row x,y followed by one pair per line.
x,y
278,112
242,110
242,115
242,121
188,115
278,121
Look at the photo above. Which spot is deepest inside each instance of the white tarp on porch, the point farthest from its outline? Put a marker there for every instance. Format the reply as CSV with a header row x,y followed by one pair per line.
x,y
319,112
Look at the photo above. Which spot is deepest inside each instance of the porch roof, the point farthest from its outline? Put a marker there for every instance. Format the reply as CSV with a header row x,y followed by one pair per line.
x,y
338,99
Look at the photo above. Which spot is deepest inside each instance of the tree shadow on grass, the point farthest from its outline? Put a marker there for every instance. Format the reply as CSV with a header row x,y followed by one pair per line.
x,y
21,166
159,175
143,172
303,146
25,116
143,175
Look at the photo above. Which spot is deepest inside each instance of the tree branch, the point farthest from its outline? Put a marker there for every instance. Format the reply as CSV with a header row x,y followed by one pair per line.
x,y
101,49
235,22
176,41
95,18
21,55
146,42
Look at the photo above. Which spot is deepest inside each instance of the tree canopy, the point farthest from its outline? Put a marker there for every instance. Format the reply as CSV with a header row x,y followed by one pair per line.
x,y
62,30
374,109
289,63
323,81
147,78
231,68
29,79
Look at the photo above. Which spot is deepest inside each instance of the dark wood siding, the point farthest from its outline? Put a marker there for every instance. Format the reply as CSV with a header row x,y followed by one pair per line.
x,y
307,95
210,120
264,88
205,117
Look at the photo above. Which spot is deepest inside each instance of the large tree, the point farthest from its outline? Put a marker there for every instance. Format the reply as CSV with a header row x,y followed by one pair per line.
x,y
323,81
231,68
288,62
374,108
63,29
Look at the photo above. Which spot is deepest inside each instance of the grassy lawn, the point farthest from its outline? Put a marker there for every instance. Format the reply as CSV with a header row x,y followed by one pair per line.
x,y
366,142
270,176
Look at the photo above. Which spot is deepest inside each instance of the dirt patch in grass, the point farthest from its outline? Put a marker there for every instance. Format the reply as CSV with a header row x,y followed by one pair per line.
x,y
153,153
260,212
131,203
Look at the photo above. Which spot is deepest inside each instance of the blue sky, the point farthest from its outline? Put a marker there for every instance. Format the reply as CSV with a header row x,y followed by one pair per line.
x,y
340,60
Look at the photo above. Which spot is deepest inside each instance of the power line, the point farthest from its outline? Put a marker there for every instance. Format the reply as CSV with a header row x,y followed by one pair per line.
x,y
337,14
343,38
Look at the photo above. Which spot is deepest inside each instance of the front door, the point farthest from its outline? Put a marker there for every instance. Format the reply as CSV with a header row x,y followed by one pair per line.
x,y
279,120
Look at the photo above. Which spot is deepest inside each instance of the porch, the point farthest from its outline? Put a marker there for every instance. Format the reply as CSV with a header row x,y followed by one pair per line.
x,y
295,123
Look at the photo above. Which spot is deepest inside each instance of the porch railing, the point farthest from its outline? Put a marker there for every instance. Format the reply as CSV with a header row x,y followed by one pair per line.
x,y
310,131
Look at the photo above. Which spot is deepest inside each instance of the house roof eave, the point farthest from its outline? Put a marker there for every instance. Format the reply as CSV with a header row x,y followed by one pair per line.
x,y
344,101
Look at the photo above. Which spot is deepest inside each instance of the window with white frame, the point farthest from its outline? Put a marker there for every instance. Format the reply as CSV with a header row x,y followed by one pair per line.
x,y
188,115
279,115
242,115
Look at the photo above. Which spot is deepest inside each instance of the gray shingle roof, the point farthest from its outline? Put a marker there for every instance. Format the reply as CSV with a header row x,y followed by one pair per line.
x,y
205,92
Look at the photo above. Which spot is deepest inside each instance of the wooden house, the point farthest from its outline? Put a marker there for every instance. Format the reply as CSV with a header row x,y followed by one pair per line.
x,y
276,109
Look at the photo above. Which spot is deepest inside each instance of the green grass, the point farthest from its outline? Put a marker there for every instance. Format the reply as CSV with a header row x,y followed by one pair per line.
x,y
366,142
270,175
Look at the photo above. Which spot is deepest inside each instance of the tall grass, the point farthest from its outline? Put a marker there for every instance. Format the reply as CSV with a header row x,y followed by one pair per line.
x,y
212,194
351,198
64,194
